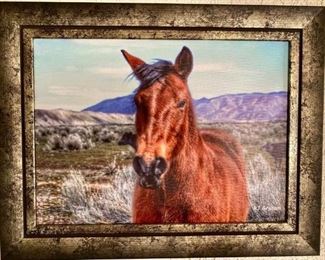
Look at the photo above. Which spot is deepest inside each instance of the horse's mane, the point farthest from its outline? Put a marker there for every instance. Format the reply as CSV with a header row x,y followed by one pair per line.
x,y
149,73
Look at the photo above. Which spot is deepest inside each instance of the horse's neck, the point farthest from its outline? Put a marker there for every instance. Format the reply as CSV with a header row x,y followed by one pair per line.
x,y
189,157
190,135
185,171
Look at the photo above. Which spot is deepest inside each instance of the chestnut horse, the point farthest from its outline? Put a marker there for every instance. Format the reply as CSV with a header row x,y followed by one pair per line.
x,y
186,175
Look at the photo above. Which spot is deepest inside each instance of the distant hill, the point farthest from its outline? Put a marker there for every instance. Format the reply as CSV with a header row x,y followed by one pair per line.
x,y
66,117
121,105
252,107
243,107
233,107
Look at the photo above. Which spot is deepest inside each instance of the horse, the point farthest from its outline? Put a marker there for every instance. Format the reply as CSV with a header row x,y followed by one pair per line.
x,y
185,175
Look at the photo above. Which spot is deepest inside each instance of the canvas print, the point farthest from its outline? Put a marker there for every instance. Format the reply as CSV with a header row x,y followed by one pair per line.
x,y
160,131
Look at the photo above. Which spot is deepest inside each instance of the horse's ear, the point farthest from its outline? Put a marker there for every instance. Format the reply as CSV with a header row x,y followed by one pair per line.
x,y
184,62
133,61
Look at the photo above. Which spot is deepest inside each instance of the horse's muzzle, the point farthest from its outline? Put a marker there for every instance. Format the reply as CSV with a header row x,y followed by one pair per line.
x,y
149,173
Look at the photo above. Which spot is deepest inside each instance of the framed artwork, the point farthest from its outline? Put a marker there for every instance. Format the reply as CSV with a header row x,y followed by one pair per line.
x,y
110,150
161,130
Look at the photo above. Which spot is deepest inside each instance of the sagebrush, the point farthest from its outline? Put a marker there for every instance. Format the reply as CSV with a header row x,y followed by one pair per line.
x,y
99,203
84,174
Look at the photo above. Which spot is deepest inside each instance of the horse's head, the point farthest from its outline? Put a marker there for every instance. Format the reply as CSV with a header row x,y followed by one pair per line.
x,y
163,103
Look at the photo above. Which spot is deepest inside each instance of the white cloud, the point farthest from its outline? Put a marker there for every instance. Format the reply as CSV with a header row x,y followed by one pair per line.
x,y
111,71
220,67
71,68
61,90
214,67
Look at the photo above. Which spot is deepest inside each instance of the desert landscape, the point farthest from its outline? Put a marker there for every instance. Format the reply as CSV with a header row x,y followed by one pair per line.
x,y
83,159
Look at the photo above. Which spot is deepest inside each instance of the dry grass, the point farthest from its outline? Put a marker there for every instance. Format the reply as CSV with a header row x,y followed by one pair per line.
x,y
266,184
95,185
98,202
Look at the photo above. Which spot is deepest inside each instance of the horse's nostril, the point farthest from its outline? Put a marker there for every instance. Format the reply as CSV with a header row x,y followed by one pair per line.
x,y
156,167
139,165
160,165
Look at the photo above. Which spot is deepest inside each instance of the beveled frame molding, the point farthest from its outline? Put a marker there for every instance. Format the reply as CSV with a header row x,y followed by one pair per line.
x,y
298,235
35,229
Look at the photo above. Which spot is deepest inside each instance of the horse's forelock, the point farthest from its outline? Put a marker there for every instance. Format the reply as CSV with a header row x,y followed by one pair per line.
x,y
150,73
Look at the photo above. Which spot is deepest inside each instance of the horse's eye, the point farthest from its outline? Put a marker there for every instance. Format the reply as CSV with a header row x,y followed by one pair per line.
x,y
181,104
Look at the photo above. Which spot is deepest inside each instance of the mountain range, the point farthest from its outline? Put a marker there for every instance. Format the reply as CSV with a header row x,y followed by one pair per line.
x,y
233,107
251,107
121,105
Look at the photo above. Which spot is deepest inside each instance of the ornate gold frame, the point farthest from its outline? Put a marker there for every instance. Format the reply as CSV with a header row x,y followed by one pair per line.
x,y
298,235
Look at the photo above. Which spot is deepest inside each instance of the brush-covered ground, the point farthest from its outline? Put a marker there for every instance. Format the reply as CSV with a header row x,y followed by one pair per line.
x,y
84,173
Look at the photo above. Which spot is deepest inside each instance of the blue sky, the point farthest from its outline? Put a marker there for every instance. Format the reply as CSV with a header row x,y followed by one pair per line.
x,y
74,74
